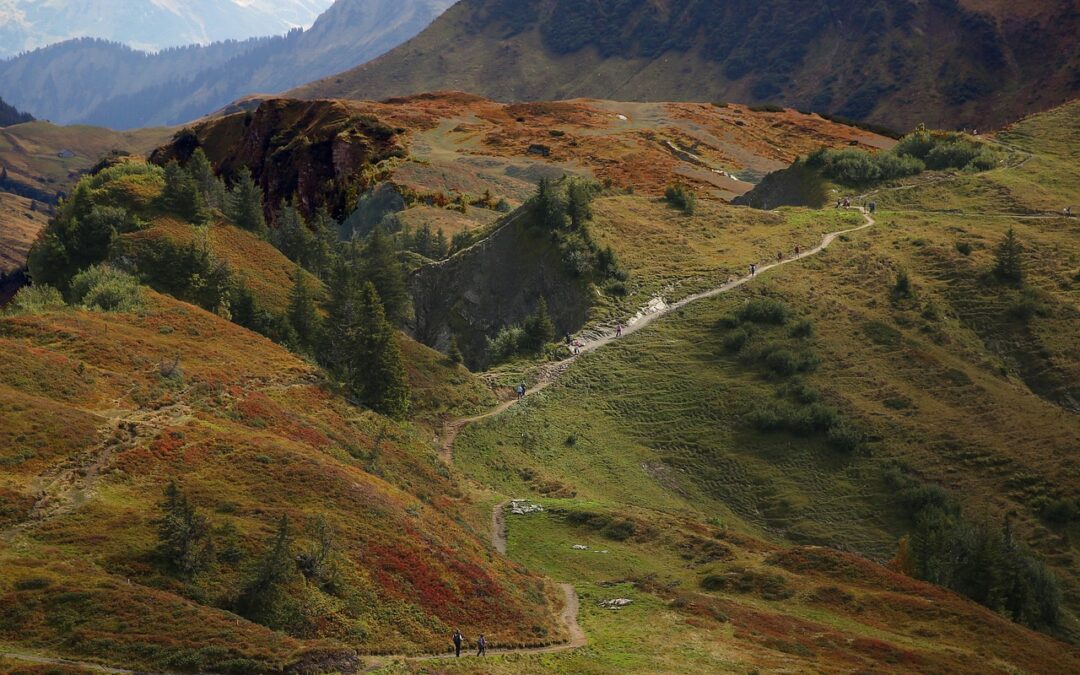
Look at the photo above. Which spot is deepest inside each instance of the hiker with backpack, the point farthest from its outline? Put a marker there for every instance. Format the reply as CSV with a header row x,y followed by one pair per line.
x,y
753,269
458,639
481,646
618,330
521,391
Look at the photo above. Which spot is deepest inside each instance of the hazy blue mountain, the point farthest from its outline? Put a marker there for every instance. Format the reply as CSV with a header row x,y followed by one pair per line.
x,y
92,81
148,24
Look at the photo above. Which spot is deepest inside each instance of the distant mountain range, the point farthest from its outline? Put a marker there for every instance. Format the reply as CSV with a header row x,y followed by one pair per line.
x,y
942,62
92,81
148,24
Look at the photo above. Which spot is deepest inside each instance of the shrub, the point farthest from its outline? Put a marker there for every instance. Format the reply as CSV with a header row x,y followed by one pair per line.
x,y
1061,511
506,344
782,362
106,289
36,300
963,248
681,197
802,329
765,310
33,584
845,437
736,340
902,288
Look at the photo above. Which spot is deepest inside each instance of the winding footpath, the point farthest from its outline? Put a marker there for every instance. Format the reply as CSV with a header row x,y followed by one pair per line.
x,y
548,375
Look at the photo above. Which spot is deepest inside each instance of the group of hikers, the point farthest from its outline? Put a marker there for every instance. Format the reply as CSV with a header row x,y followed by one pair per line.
x,y
845,203
459,640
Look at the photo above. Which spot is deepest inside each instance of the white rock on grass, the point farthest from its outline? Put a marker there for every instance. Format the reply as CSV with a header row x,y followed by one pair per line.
x,y
523,507
615,603
579,547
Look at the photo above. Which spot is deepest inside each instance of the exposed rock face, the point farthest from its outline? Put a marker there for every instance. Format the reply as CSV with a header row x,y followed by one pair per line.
x,y
494,284
316,152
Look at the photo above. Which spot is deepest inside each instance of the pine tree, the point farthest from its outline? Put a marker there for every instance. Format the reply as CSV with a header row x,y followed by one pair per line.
x,y
261,594
209,185
303,317
441,247
183,534
326,242
539,329
579,197
1008,264
379,376
423,241
551,205
338,337
454,352
181,195
246,204
382,269
292,237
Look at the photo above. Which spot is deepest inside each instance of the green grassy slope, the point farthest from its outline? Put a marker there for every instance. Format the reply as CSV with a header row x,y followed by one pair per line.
x,y
959,384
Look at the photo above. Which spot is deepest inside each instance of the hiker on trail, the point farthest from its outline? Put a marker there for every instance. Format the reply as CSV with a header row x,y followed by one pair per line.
x,y
577,347
457,643
568,339
797,250
873,207
839,202
481,646
753,269
521,391
779,256
618,330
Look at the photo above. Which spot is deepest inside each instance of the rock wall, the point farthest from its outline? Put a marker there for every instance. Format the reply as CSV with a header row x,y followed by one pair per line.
x,y
496,283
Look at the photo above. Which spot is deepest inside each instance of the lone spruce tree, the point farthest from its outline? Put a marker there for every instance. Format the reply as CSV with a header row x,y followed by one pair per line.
x,y
263,593
303,316
539,329
378,376
181,195
382,269
183,534
246,204
209,185
1008,266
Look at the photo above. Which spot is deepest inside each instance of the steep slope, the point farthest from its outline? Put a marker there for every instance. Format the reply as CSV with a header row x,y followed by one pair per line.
x,y
108,84
840,400
943,62
96,425
147,24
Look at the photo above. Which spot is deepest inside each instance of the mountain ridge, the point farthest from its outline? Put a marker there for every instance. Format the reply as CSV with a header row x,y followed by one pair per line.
x,y
943,62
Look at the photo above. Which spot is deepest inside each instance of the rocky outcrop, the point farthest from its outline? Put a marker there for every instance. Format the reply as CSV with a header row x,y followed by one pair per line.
x,y
494,284
318,152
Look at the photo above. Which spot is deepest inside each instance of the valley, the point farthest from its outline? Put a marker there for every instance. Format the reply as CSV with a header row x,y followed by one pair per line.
x,y
528,332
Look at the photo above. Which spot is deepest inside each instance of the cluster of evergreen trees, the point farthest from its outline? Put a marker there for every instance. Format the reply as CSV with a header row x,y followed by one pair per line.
x,y
982,561
564,208
189,545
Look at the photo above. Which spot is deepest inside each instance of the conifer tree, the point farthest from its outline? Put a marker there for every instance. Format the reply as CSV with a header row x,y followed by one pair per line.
x,y
378,376
181,195
325,245
303,317
209,185
383,270
183,534
454,352
337,340
441,247
292,237
246,204
551,205
539,329
263,591
1008,264
578,203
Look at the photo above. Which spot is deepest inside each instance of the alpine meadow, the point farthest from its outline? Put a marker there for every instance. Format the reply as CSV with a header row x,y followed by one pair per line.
x,y
540,336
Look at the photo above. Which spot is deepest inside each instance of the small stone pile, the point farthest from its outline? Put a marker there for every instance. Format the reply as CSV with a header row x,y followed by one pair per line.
x,y
523,507
615,603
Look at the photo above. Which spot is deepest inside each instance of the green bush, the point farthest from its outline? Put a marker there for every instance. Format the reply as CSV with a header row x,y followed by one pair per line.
x,y
36,300
765,310
106,289
1062,511
802,329
681,197
736,340
506,344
